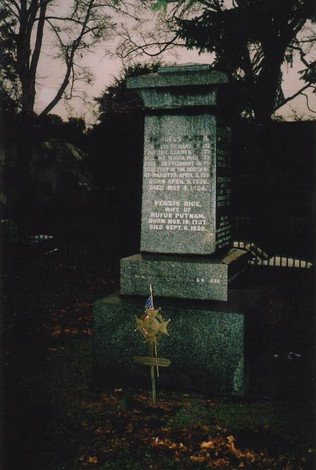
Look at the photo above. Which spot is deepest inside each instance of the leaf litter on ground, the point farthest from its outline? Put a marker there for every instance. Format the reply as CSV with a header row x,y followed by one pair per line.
x,y
119,428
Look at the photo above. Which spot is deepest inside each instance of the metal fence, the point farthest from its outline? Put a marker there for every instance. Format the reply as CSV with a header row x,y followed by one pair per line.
x,y
42,252
260,258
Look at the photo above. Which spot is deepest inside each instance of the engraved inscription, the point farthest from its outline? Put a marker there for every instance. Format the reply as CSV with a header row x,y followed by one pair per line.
x,y
223,193
173,165
177,215
177,163
202,280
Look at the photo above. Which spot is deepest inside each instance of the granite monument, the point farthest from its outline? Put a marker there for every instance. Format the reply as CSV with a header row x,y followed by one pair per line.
x,y
185,249
186,189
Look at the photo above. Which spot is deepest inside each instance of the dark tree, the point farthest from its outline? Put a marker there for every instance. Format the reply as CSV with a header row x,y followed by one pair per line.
x,y
29,29
115,153
251,40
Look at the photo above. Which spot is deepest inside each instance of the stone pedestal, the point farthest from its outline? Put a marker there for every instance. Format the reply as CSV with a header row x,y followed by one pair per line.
x,y
208,344
183,277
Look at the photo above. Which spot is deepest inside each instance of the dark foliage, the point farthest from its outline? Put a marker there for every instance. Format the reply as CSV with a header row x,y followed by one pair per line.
x,y
250,41
115,155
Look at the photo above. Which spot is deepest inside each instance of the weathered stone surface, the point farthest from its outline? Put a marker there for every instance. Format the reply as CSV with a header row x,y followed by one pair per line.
x,y
186,185
183,277
186,76
185,229
209,344
186,193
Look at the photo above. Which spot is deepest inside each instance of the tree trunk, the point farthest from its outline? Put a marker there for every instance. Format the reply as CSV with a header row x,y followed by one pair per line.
x,y
268,83
22,204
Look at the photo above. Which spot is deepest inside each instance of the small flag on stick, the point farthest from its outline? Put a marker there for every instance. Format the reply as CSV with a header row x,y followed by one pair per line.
x,y
150,300
151,325
149,303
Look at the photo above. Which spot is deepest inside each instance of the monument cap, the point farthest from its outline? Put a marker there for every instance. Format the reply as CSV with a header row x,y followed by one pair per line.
x,y
178,76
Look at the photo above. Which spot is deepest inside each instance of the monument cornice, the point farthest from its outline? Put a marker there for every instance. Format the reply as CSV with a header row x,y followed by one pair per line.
x,y
184,110
186,75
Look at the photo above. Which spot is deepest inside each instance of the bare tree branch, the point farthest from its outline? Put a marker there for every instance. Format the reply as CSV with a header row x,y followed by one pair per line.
x,y
14,13
307,104
290,98
302,54
37,47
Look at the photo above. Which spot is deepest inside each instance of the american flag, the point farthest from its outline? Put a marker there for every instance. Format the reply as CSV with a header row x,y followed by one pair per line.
x,y
149,303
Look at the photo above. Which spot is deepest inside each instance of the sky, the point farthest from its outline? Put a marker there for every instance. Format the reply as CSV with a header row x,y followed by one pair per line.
x,y
106,68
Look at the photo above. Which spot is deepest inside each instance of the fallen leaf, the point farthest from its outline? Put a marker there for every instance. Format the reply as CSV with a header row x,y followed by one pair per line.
x,y
207,445
90,460
197,458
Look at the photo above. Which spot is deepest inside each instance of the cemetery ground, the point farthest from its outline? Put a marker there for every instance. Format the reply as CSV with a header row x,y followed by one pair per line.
x,y
56,417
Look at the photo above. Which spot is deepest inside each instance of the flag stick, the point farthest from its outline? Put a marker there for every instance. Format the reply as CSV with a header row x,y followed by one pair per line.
x,y
152,306
156,354
152,376
151,296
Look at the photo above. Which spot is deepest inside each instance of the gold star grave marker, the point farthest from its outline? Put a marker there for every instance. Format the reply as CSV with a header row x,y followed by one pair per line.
x,y
151,325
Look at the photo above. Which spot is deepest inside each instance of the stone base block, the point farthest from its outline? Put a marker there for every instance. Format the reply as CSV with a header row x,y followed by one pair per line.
x,y
196,277
209,343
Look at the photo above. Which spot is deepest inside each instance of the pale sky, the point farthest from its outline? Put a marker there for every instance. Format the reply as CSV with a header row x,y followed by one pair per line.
x,y
105,69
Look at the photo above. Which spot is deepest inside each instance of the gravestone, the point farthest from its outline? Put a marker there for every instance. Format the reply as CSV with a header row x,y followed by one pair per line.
x,y
186,189
185,250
